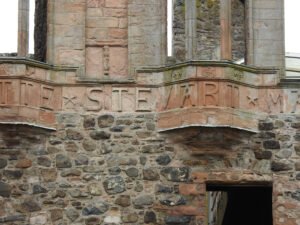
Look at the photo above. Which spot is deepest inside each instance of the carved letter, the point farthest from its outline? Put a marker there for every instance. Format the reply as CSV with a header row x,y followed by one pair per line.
x,y
211,91
90,96
168,97
26,93
296,102
274,101
187,94
5,88
119,91
47,97
140,100
233,96
106,60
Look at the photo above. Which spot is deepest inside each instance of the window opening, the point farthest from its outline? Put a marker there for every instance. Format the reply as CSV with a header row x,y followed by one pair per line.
x,y
236,205
292,37
170,27
238,31
31,26
9,27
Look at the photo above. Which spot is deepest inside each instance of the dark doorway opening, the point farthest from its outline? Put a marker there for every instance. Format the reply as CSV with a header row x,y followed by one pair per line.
x,y
239,205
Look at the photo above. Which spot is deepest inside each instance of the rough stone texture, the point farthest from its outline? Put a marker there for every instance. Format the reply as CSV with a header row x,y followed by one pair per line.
x,y
5,189
179,30
208,29
116,184
238,21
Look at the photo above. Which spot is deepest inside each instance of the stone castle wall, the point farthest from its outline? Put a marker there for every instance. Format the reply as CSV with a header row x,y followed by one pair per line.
x,y
105,133
238,30
208,30
104,169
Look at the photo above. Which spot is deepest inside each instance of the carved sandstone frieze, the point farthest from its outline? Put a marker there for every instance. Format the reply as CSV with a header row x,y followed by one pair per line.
x,y
188,95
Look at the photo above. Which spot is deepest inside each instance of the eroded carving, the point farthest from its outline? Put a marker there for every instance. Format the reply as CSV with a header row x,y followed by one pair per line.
x,y
209,72
176,75
252,100
296,101
5,89
95,3
238,75
187,94
106,60
233,96
47,97
119,98
168,97
275,101
69,101
211,93
94,98
142,103
26,93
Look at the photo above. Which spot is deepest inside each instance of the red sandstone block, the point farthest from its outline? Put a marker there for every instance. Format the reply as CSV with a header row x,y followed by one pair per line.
x,y
117,33
116,3
95,3
112,12
199,177
24,163
186,210
191,189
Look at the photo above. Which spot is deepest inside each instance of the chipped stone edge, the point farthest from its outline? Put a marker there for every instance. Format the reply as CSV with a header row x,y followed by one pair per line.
x,y
29,124
208,125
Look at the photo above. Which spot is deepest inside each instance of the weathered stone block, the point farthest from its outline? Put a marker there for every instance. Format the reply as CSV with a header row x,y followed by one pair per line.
x,y
63,161
5,189
24,163
105,121
163,160
150,174
143,200
123,200
177,220
72,214
3,163
149,217
265,126
38,189
180,174
74,134
13,174
129,217
132,172
93,210
29,205
99,135
271,144
44,161
114,185
172,200
280,166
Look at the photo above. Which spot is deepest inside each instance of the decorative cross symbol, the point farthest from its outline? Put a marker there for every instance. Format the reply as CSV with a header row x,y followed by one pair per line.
x,y
252,100
69,100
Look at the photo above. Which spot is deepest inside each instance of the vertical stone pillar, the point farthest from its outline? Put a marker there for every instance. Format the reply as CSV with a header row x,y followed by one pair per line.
x,y
190,29
23,27
225,17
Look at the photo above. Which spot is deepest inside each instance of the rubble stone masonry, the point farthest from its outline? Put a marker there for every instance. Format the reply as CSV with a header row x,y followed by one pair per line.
x,y
108,168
